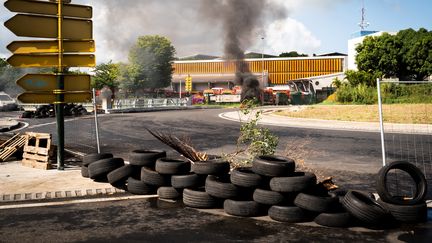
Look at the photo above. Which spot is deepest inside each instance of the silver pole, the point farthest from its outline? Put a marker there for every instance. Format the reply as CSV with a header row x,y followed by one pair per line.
x,y
381,122
262,63
96,120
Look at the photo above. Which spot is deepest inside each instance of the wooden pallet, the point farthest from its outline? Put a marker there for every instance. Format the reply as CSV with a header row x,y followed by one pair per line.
x,y
12,145
37,151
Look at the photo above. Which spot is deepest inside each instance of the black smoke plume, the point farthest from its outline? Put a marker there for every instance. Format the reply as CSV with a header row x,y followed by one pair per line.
x,y
241,24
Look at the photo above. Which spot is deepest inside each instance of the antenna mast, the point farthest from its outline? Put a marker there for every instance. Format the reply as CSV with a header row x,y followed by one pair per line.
x,y
363,24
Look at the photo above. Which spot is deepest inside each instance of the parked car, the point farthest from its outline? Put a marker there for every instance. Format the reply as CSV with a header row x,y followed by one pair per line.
x,y
7,103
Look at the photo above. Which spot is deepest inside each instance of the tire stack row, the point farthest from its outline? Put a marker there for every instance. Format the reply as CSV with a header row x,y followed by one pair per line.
x,y
270,187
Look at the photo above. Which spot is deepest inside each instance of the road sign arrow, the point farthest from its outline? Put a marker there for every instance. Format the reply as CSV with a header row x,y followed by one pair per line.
x,y
51,60
47,27
50,46
51,98
48,8
48,82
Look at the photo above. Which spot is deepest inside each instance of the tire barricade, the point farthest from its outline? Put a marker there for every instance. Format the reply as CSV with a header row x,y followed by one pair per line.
x,y
270,187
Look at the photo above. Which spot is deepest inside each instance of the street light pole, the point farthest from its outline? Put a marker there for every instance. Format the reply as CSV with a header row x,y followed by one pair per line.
x,y
262,62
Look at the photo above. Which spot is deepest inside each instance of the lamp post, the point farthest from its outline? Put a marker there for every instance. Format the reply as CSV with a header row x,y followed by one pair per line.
x,y
262,62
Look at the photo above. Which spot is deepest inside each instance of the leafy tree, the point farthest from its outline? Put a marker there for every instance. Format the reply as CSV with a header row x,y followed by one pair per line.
x,y
379,53
406,55
106,74
151,63
292,54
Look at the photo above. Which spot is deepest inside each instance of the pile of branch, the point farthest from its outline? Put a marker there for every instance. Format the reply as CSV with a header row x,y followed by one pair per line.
x,y
180,145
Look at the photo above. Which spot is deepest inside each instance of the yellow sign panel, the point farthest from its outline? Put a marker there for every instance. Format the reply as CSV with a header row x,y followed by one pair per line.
x,y
47,27
188,83
50,98
48,82
50,46
48,8
51,60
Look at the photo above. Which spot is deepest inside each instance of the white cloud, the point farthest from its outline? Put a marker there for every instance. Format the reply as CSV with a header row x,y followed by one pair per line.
x,y
288,35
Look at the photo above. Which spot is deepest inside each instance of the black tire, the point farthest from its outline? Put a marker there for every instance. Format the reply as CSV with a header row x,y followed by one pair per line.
x,y
169,166
84,172
119,176
270,165
211,167
316,203
142,157
415,173
99,169
139,187
407,213
199,198
241,208
167,192
340,220
364,208
191,180
290,214
245,177
267,197
153,178
298,182
221,187
90,158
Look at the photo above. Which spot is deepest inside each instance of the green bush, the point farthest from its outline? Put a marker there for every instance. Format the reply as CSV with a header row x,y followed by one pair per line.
x,y
406,93
359,94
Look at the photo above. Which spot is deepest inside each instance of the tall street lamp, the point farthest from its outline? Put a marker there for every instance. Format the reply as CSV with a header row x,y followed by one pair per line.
x,y
262,62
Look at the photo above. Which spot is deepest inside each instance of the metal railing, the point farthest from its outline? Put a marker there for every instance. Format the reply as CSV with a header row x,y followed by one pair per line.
x,y
149,103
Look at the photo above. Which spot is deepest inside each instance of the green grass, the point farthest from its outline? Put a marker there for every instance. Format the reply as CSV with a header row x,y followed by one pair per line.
x,y
394,113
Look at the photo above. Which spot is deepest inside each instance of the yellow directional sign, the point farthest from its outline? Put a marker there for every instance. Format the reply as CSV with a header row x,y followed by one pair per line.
x,y
51,98
48,8
51,60
47,27
48,82
50,46
188,83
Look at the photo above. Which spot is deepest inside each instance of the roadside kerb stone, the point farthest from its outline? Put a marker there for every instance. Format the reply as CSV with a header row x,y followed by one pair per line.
x,y
269,118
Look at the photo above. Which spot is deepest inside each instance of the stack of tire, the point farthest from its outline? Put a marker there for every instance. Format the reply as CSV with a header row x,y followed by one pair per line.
x,y
403,209
199,187
99,166
46,111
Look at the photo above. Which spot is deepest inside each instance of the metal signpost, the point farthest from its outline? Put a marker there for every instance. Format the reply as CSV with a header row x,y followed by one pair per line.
x,y
68,32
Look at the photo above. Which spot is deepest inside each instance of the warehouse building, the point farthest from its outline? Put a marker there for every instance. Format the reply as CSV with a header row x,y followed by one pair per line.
x,y
207,74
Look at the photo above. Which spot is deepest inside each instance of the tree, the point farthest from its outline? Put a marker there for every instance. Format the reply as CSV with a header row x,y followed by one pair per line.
x,y
151,63
405,55
292,54
106,74
379,53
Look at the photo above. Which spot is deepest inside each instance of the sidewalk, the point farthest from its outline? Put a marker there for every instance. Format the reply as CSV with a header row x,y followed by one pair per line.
x,y
269,118
19,183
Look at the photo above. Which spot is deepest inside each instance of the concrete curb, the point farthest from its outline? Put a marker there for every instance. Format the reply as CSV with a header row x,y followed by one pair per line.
x,y
58,194
8,125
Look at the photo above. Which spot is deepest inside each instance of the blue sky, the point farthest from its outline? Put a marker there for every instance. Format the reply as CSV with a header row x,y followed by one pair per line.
x,y
333,24
311,26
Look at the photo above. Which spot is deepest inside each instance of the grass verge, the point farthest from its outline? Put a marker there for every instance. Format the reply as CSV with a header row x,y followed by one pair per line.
x,y
394,113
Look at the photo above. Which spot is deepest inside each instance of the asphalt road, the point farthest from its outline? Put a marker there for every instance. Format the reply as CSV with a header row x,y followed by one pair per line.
x,y
333,151
344,150
159,221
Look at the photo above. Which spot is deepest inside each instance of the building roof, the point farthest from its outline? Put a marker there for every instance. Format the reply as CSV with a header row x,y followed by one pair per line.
x,y
198,57
331,54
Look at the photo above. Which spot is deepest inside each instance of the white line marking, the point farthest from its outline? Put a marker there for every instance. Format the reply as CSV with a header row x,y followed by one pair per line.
x,y
34,205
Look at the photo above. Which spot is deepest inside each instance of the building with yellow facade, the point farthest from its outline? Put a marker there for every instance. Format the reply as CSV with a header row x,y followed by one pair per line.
x,y
207,74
